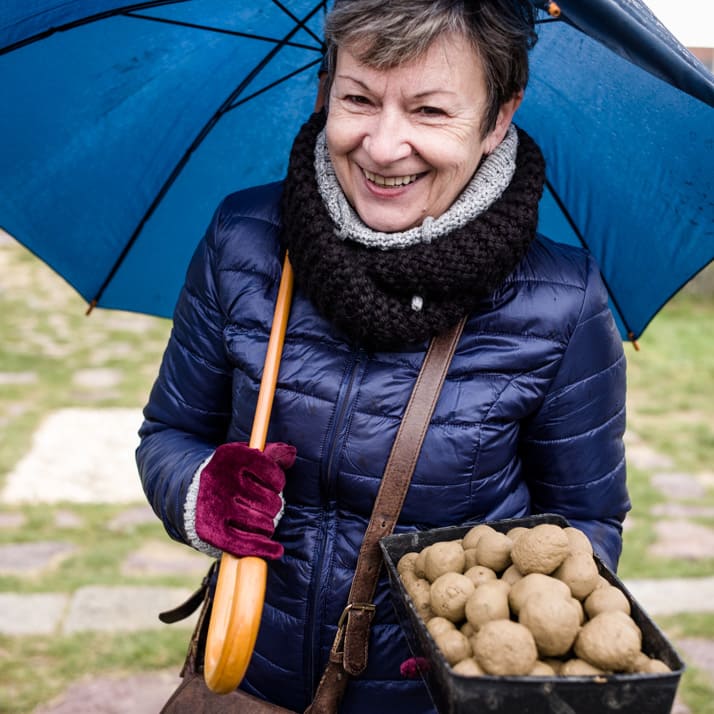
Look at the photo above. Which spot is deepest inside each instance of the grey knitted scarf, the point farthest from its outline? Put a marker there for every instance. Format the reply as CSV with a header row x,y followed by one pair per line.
x,y
385,299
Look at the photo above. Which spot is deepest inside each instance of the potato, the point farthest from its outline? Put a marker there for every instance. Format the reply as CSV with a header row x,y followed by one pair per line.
x,y
488,602
420,562
494,550
643,664
467,629
511,574
515,532
468,667
609,642
578,607
554,664
503,647
606,599
471,561
579,668
553,622
542,669
437,625
449,593
419,590
532,582
406,563
454,646
446,557
472,537
579,572
579,542
540,549
656,666
480,574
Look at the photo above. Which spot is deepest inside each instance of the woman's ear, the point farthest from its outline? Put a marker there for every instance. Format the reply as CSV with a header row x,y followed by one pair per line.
x,y
503,121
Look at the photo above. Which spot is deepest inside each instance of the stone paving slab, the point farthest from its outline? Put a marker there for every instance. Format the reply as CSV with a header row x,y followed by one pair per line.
x,y
698,652
136,694
670,597
31,613
680,486
33,558
123,608
10,520
165,558
132,518
682,539
63,464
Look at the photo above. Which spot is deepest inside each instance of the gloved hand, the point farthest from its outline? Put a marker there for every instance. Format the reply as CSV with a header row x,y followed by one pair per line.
x,y
414,667
239,497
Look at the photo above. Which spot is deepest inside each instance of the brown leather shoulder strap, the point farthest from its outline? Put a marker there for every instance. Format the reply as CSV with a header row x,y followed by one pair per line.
x,y
349,651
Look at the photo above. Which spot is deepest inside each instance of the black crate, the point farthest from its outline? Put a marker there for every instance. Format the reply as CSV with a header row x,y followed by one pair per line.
x,y
455,694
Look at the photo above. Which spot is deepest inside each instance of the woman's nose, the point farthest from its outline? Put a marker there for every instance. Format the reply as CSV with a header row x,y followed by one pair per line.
x,y
387,139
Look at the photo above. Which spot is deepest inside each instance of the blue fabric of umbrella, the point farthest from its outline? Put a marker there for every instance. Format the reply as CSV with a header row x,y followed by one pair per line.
x,y
124,124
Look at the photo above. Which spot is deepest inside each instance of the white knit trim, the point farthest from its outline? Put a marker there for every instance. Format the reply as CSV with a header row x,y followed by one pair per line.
x,y
189,514
486,186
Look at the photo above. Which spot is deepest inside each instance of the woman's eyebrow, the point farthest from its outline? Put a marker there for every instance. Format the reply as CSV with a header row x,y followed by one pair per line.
x,y
430,92
419,95
353,79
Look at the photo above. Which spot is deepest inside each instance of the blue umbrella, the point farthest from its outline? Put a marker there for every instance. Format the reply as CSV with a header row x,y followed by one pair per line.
x,y
124,124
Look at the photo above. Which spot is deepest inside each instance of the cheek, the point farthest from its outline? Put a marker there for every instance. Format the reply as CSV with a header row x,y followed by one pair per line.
x,y
339,136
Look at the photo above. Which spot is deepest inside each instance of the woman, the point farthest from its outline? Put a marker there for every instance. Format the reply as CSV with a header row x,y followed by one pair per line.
x,y
412,204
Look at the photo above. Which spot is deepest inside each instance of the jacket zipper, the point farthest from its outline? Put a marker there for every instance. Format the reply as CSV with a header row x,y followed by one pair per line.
x,y
334,441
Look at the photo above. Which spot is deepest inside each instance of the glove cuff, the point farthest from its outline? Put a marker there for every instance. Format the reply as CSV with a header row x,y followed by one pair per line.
x,y
189,514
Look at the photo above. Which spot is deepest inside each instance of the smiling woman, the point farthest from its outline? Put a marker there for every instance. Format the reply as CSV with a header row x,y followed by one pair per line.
x,y
410,206
404,142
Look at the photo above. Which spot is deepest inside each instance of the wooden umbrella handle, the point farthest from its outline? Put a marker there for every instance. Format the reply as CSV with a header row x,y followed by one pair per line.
x,y
240,590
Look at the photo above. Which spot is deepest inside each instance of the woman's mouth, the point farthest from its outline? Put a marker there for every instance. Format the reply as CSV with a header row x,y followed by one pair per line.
x,y
388,181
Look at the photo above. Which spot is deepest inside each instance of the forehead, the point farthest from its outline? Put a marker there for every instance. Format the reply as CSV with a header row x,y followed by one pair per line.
x,y
450,61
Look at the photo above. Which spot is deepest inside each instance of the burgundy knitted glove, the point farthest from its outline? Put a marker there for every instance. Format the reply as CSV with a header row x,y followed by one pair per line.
x,y
239,496
414,667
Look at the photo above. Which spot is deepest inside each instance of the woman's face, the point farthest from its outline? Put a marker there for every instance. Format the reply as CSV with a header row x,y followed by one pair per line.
x,y
405,141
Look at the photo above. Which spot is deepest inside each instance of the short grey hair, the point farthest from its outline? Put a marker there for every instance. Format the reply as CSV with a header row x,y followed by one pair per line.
x,y
386,33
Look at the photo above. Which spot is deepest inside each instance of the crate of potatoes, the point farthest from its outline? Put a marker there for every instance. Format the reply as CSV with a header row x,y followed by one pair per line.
x,y
518,616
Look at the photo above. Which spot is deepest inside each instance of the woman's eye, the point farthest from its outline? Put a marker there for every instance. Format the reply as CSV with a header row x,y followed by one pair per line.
x,y
431,111
357,99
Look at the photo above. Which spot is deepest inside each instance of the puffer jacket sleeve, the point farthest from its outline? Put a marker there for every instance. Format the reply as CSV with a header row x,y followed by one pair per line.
x,y
188,411
572,449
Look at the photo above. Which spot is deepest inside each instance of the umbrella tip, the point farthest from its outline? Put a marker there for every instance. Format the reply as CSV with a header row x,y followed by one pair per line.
x,y
631,338
90,307
553,9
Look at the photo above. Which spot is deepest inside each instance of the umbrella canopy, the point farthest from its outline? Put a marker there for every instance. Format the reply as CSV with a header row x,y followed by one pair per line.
x,y
124,124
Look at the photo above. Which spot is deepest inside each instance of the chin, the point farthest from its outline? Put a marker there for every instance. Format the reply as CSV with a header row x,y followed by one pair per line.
x,y
378,222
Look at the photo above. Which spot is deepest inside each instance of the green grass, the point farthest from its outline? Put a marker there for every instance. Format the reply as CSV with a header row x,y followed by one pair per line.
x,y
671,383
696,688
46,336
98,550
36,669
636,561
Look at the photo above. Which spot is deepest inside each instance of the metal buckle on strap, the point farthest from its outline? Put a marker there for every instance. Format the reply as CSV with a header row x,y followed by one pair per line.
x,y
368,606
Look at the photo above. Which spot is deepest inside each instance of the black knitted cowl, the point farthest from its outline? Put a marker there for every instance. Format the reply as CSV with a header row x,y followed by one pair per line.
x,y
367,292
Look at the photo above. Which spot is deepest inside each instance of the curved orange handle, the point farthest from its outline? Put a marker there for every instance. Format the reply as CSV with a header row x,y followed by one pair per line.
x,y
240,590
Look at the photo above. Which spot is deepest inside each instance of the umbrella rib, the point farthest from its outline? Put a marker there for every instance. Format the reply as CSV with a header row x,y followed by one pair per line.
x,y
274,84
222,31
86,21
577,232
226,106
296,19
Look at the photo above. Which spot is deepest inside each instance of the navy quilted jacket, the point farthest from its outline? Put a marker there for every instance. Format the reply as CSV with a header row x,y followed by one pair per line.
x,y
530,419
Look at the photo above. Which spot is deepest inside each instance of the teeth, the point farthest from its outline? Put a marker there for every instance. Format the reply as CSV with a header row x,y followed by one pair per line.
x,y
389,180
